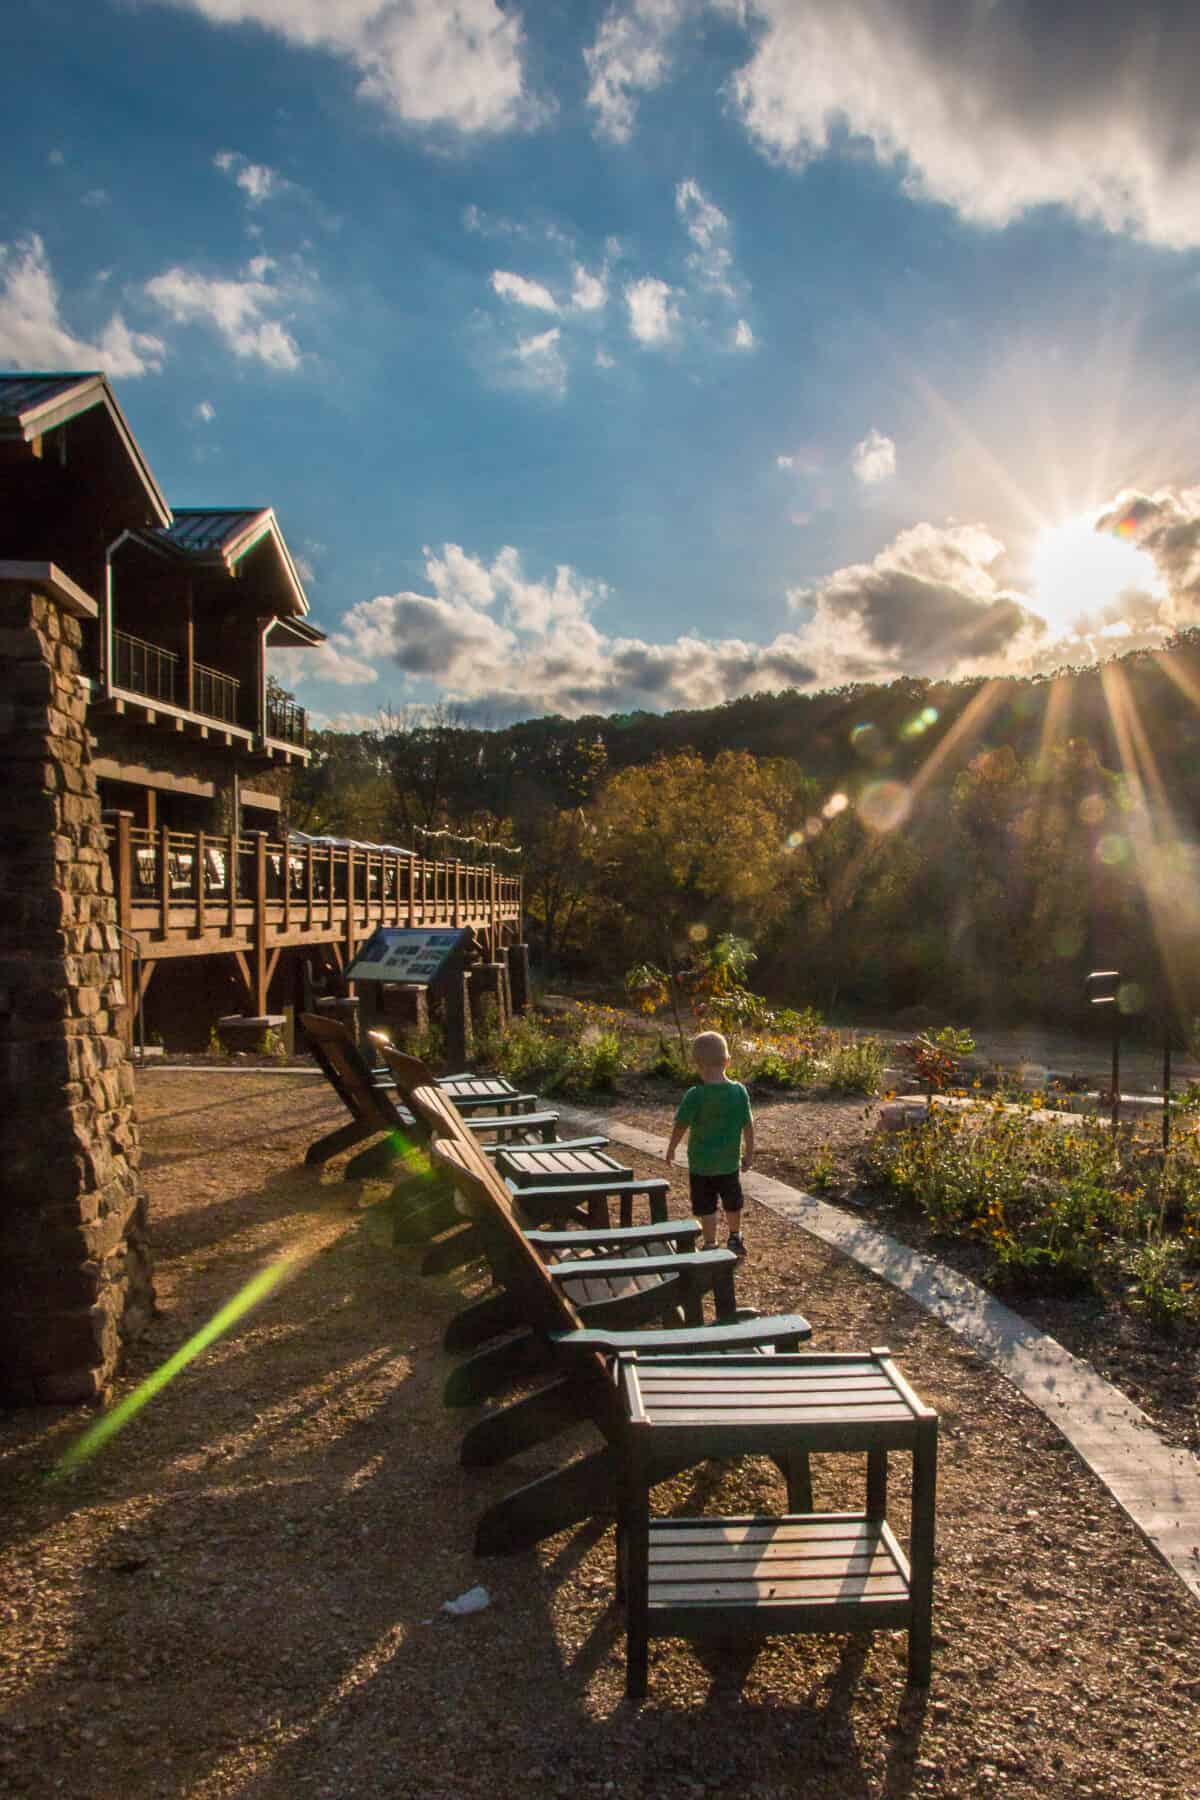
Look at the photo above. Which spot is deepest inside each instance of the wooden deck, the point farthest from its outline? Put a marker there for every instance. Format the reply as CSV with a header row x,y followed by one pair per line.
x,y
249,897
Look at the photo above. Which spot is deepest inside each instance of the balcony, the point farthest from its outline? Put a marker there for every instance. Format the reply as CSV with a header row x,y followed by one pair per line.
x,y
287,723
143,668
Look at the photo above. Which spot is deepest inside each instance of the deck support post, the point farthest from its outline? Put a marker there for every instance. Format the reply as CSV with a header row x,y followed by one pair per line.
x,y
517,957
261,976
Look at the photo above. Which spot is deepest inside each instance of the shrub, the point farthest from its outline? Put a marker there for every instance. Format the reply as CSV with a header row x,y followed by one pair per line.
x,y
855,1066
1158,1292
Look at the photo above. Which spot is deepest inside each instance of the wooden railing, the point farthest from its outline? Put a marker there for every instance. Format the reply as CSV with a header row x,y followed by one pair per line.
x,y
200,894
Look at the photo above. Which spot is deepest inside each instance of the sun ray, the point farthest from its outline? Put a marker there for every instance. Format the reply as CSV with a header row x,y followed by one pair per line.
x,y
1054,718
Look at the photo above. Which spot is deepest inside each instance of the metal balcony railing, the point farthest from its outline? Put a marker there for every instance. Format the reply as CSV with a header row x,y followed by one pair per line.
x,y
144,668
287,722
215,695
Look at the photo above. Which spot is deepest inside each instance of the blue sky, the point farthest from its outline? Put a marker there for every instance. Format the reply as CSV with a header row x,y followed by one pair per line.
x,y
643,355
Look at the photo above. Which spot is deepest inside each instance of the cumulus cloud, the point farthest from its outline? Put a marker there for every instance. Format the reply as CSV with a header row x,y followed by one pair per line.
x,y
523,292
503,645
874,459
243,311
338,660
256,180
628,58
1166,524
743,337
206,412
993,110
33,334
653,310
451,63
930,603
589,292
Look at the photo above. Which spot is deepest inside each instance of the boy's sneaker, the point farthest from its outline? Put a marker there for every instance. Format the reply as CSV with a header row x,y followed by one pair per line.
x,y
736,1245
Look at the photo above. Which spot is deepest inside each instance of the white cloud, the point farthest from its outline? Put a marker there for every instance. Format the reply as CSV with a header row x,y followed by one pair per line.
x,y
628,58
452,63
653,312
604,360
523,292
256,180
932,602
34,336
244,312
504,646
711,260
97,196
1008,110
56,159
206,412
874,459
785,462
337,660
589,292
538,362
743,337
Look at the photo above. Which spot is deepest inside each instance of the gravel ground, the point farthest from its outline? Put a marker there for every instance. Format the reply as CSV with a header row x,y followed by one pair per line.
x,y
240,1595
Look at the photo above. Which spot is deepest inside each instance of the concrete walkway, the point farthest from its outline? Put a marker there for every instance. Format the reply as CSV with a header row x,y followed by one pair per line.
x,y
1159,1488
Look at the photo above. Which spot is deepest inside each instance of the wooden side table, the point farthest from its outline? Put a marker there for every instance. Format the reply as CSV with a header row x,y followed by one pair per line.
x,y
723,1579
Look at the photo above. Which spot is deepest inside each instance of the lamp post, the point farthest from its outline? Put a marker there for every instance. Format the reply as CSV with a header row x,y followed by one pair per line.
x,y
1102,987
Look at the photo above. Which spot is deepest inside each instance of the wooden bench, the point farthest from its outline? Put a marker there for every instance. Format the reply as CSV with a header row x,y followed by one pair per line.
x,y
729,1579
574,1350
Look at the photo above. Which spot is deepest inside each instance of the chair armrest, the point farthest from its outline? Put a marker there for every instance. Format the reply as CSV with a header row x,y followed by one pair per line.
x,y
513,1122
699,1266
583,1190
522,1103
620,1237
784,1330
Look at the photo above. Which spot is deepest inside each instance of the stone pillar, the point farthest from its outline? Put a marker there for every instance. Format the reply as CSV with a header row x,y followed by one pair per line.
x,y
75,1279
518,976
489,995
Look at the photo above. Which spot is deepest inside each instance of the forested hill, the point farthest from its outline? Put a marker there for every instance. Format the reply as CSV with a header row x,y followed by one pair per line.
x,y
437,773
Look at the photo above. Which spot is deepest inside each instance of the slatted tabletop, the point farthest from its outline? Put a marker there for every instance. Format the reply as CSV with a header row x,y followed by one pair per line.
x,y
753,1402
535,1165
478,1087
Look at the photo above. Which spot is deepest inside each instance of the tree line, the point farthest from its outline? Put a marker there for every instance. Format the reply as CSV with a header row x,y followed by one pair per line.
x,y
972,847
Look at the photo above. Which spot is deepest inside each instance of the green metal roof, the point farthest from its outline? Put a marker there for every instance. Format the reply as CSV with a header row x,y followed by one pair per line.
x,y
211,530
25,393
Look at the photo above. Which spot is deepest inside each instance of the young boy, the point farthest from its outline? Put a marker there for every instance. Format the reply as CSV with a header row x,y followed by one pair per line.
x,y
716,1113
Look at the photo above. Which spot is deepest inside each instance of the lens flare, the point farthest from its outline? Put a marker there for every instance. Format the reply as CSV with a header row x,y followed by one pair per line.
x,y
107,1426
1113,849
795,839
836,803
1091,809
885,805
697,933
1131,997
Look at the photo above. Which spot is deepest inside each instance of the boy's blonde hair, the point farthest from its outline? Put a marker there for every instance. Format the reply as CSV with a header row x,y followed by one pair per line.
x,y
709,1050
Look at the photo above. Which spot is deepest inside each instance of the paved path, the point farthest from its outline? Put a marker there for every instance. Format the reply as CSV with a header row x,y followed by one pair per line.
x,y
1158,1487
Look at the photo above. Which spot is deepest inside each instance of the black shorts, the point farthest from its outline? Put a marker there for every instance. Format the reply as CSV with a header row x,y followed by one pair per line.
x,y
708,1189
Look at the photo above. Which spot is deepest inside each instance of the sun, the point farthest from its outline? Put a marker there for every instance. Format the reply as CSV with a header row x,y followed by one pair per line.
x,y
1077,571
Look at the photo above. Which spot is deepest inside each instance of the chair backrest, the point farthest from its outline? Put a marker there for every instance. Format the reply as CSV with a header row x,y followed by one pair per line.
x,y
488,1202
409,1072
343,1067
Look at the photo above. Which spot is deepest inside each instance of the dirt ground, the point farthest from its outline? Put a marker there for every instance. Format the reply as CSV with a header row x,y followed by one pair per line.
x,y
239,1596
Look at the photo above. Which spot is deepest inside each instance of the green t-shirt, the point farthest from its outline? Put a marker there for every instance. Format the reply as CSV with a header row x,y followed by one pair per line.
x,y
716,1113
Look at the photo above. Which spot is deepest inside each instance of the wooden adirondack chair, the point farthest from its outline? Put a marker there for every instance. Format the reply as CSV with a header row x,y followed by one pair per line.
x,y
372,1103
577,1180
578,1353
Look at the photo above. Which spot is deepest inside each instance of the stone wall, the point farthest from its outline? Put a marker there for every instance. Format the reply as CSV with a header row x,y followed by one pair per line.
x,y
75,1279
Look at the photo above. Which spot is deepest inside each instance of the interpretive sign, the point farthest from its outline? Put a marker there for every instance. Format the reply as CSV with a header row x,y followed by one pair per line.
x,y
415,957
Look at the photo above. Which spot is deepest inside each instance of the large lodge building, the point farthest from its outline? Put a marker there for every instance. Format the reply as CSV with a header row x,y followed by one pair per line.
x,y
219,906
